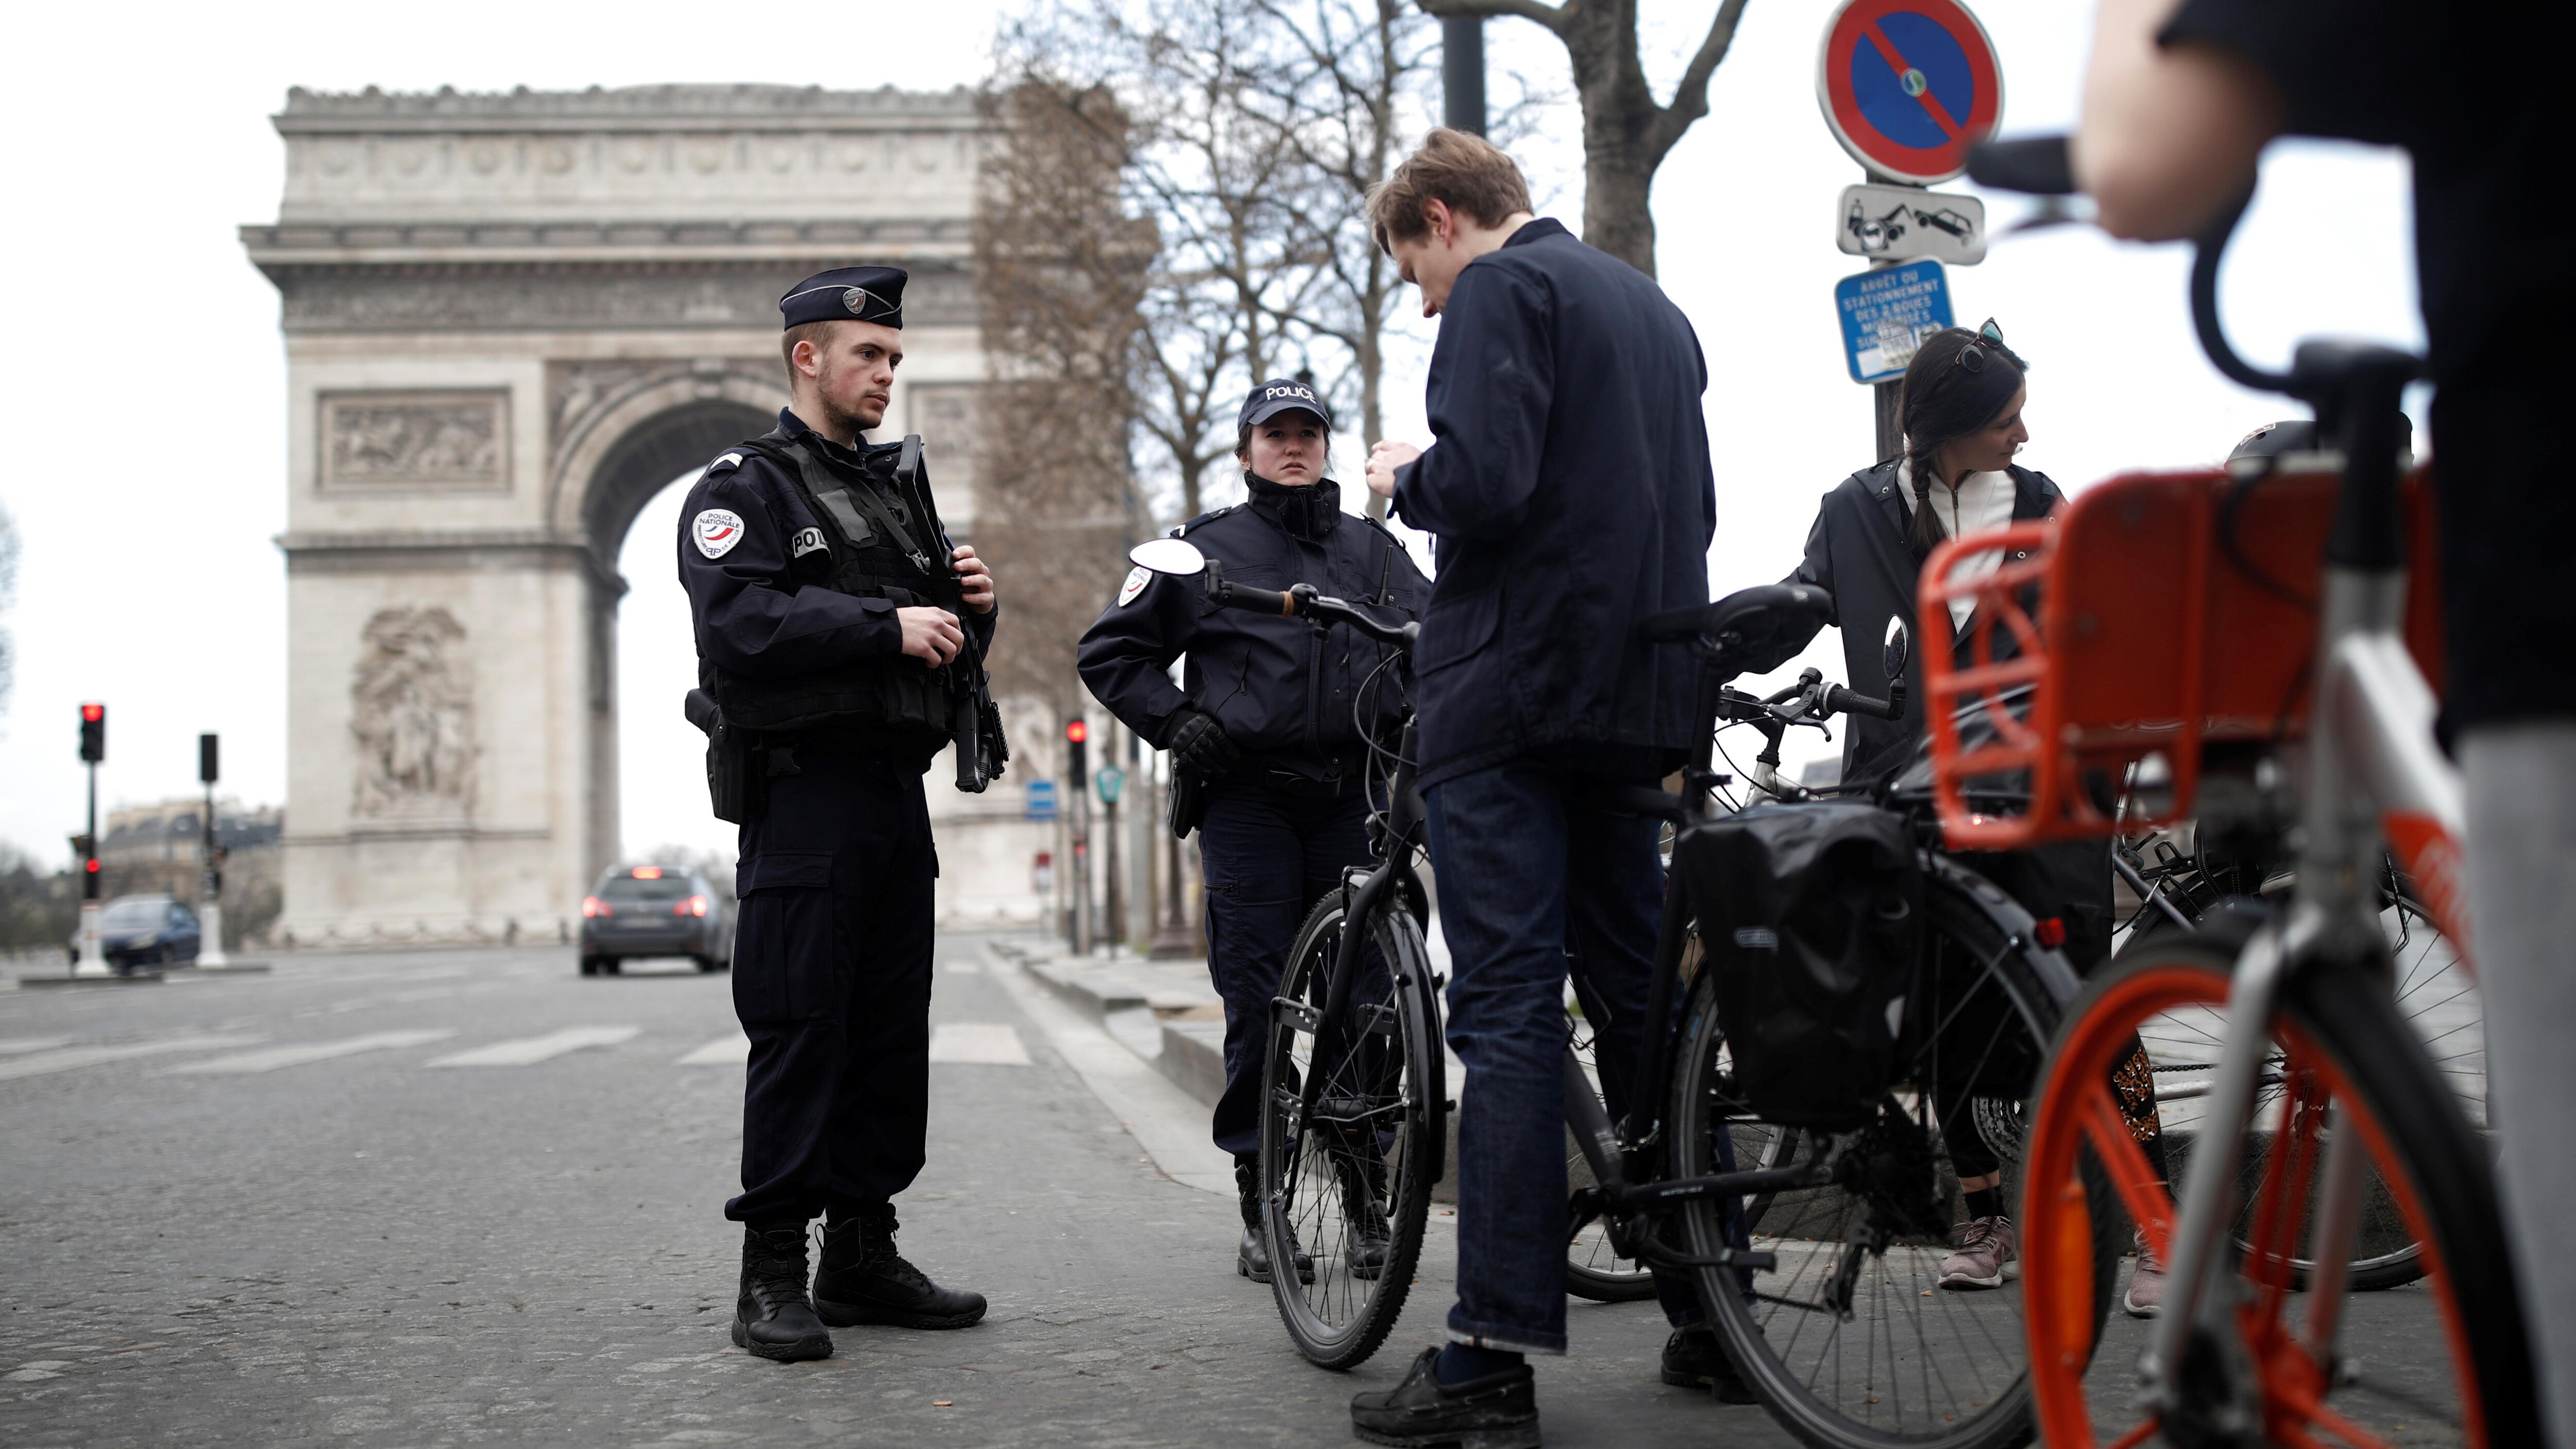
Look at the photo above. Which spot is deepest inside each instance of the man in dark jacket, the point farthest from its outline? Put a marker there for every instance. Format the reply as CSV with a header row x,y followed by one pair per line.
x,y
1570,495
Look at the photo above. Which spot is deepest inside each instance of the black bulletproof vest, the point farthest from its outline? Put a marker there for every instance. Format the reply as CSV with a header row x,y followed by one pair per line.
x,y
874,548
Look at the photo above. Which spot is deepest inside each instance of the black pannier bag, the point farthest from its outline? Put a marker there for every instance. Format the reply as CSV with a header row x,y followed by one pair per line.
x,y
1811,916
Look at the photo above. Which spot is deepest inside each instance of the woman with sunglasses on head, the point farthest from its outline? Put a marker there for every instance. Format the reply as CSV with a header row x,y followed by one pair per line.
x,y
1961,407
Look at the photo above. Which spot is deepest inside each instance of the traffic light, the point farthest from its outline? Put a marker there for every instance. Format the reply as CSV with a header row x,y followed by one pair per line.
x,y
206,771
1077,754
93,732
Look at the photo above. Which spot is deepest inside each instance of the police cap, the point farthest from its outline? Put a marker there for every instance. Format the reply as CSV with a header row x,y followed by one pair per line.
x,y
1279,395
868,294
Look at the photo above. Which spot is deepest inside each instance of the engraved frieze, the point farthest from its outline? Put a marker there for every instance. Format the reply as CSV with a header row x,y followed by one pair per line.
x,y
412,711
410,441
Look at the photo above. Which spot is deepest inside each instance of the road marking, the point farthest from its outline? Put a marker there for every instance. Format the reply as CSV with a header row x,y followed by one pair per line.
x,y
724,1051
985,1043
39,1063
272,1058
1170,1124
527,1051
965,968
21,1045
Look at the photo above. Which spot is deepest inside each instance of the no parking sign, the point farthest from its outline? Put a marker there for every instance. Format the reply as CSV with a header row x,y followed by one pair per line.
x,y
1909,85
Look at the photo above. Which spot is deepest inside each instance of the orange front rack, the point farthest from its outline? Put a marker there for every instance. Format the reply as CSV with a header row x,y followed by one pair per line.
x,y
2156,615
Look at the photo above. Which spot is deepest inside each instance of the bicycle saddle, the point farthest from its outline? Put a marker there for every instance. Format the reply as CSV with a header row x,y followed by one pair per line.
x,y
1751,631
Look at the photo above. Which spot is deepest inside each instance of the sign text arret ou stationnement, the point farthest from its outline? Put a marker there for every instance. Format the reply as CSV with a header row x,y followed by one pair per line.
x,y
1887,312
1902,223
1908,86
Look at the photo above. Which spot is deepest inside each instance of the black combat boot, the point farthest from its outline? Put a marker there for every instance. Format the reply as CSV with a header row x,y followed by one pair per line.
x,y
1364,1229
772,1317
1252,1255
864,1280
1696,1358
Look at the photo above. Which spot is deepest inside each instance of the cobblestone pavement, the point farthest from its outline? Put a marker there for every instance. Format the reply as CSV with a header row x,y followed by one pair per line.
x,y
468,1197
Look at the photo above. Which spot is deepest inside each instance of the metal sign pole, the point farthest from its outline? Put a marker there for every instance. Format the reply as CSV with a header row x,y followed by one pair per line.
x,y
210,903
1462,73
93,949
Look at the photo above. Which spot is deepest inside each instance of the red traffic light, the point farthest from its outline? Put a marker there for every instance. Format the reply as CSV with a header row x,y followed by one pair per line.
x,y
93,739
93,713
1076,731
93,865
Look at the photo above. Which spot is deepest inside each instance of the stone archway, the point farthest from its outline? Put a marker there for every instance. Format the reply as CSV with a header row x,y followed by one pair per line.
x,y
509,320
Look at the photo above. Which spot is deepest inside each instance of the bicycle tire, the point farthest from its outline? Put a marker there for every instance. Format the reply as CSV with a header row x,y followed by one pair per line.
x,y
2341,1041
2439,1001
1308,1169
1803,1381
1593,1268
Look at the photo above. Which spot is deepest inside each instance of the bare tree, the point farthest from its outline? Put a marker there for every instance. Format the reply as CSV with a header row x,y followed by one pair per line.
x,y
1626,134
1060,272
1348,88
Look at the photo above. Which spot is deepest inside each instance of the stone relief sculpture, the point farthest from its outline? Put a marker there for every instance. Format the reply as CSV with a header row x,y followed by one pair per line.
x,y
414,440
413,713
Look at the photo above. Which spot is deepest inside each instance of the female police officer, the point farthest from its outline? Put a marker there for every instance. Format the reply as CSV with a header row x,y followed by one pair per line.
x,y
1270,719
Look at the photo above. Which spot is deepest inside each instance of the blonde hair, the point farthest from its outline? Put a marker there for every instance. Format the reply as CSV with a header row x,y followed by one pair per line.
x,y
1468,174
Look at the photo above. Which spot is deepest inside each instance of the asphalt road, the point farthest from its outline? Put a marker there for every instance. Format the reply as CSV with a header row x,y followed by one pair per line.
x,y
470,1197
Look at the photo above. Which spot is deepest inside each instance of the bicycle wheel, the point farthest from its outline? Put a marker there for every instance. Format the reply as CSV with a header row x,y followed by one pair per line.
x,y
2427,1371
2439,1002
1593,1267
1350,1184
1846,1334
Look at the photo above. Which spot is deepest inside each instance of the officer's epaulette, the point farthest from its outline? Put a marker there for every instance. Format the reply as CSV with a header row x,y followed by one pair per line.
x,y
725,462
1380,525
1205,518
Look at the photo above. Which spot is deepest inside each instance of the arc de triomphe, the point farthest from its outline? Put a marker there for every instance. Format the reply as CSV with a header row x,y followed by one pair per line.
x,y
511,320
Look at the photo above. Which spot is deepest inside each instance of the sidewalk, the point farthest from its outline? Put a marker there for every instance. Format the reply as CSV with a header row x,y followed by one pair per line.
x,y
1172,1019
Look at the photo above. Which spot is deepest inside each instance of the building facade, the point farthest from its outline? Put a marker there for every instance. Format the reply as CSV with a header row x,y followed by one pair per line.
x,y
510,320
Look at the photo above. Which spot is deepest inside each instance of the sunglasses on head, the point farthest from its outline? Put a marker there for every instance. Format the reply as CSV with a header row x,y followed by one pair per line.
x,y
1973,356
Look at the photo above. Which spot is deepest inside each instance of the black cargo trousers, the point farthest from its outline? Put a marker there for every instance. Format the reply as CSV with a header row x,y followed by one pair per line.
x,y
831,978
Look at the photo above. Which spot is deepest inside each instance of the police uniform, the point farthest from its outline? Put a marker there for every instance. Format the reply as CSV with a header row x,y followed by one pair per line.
x,y
1290,814
796,553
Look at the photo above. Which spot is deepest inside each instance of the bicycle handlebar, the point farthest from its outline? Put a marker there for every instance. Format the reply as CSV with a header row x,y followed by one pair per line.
x,y
1302,602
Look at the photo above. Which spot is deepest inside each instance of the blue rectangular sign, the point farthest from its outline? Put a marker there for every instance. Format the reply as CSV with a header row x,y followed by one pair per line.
x,y
1887,312
1041,799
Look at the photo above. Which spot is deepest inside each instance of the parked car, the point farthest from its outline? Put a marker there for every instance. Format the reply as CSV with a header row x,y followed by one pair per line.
x,y
144,931
654,910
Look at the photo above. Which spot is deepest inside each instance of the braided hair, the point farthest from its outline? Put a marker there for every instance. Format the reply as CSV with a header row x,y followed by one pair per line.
x,y
1948,393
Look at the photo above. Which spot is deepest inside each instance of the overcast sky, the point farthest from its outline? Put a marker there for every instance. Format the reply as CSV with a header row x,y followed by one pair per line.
x,y
144,378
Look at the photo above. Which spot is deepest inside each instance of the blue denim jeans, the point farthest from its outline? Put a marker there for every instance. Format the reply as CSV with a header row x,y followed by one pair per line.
x,y
1533,882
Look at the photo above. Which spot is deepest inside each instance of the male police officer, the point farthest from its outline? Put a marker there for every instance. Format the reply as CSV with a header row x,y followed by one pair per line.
x,y
810,576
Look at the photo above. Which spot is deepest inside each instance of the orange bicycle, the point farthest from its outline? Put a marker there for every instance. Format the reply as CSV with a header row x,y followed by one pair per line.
x,y
2258,647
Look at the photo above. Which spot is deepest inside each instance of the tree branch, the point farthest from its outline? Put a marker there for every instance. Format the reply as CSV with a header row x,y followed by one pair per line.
x,y
1554,17
1690,98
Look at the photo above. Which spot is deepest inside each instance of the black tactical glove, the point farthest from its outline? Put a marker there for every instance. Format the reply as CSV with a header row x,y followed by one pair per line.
x,y
1198,745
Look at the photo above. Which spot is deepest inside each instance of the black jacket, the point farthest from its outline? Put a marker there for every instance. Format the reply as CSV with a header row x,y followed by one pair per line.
x,y
1569,488
1858,552
1283,688
757,566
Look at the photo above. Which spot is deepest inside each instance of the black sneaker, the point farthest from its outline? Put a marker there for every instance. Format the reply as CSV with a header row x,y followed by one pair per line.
x,y
772,1316
1696,1358
864,1280
1498,1411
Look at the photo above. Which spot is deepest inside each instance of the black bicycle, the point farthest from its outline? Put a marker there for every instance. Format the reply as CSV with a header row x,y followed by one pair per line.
x,y
1816,1251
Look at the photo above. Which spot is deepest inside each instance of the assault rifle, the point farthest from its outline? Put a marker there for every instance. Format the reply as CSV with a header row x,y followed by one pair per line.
x,y
975,724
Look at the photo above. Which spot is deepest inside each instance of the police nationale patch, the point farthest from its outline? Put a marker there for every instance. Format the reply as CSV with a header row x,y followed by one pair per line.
x,y
809,540
1137,579
717,530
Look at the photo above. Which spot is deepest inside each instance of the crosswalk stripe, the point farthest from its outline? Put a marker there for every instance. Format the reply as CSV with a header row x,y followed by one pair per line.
x,y
21,1045
983,1043
527,1051
271,1058
39,1063
724,1051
